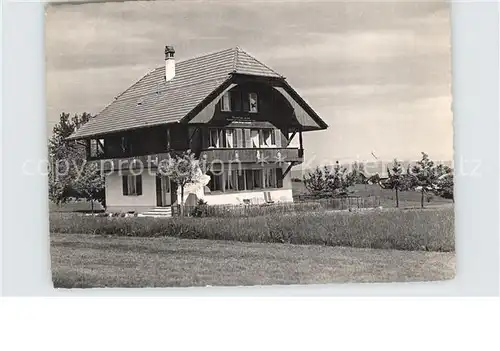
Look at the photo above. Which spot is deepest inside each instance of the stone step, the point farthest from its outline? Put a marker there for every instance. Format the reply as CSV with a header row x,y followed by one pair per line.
x,y
161,209
157,212
155,215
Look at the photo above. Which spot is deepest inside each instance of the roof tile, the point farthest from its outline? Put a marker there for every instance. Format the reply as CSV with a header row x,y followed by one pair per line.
x,y
152,101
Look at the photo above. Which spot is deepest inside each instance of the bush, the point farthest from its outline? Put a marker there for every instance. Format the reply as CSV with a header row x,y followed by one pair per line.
x,y
428,229
200,210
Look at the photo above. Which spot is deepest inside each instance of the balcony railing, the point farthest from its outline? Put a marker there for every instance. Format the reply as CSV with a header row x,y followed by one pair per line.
x,y
254,155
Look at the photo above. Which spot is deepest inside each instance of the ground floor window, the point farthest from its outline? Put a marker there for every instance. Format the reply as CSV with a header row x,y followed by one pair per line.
x,y
132,184
215,183
246,179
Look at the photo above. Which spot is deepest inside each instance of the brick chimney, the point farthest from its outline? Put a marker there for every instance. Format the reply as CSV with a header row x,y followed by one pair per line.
x,y
169,63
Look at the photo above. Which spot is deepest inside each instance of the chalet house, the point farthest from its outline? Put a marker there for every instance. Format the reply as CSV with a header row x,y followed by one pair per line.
x,y
226,107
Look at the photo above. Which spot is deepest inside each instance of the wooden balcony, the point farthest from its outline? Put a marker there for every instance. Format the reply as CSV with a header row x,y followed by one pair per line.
x,y
254,155
137,162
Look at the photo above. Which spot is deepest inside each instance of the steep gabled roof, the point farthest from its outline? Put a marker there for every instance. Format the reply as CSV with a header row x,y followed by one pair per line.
x,y
152,101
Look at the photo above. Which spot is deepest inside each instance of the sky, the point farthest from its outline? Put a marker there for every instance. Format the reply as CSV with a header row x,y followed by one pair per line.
x,y
378,73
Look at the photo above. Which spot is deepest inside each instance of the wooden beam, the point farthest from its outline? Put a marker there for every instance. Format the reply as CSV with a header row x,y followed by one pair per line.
x,y
192,134
288,169
87,148
289,140
300,140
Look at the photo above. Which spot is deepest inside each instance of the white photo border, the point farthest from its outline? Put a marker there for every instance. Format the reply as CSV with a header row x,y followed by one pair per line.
x,y
25,265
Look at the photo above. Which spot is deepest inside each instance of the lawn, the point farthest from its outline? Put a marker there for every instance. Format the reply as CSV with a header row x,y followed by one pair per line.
x,y
80,260
427,230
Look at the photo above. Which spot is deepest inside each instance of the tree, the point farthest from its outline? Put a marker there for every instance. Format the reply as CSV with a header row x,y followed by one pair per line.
x,y
70,175
358,173
323,182
63,129
182,169
445,182
315,182
339,180
396,179
424,176
90,184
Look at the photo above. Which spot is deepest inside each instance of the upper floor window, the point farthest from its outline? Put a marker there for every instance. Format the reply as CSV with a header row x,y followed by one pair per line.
x,y
214,138
252,102
267,138
168,139
226,101
233,101
125,144
96,147
255,138
243,138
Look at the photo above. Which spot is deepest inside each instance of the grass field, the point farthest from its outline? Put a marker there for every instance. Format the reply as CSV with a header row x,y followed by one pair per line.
x,y
427,230
387,197
84,261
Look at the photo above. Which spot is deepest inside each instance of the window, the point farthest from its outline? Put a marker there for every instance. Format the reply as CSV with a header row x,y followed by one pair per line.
x,y
132,184
168,138
241,180
96,147
267,138
126,145
255,137
242,138
257,179
239,138
246,180
215,183
230,181
279,178
253,179
214,138
226,101
229,138
252,99
269,178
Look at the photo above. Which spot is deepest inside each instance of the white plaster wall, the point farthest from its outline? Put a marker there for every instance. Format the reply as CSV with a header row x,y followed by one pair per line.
x,y
117,202
283,194
255,197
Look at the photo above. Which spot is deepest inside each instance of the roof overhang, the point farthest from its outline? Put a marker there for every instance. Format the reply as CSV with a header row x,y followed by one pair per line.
x,y
307,117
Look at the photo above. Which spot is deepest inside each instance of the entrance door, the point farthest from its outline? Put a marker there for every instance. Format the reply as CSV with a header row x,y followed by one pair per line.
x,y
163,197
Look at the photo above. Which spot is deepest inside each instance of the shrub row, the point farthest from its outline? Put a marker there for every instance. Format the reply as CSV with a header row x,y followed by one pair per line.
x,y
205,210
430,229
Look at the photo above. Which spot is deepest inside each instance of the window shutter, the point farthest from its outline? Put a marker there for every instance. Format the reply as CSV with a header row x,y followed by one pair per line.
x,y
125,184
138,184
248,139
279,177
277,137
239,138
